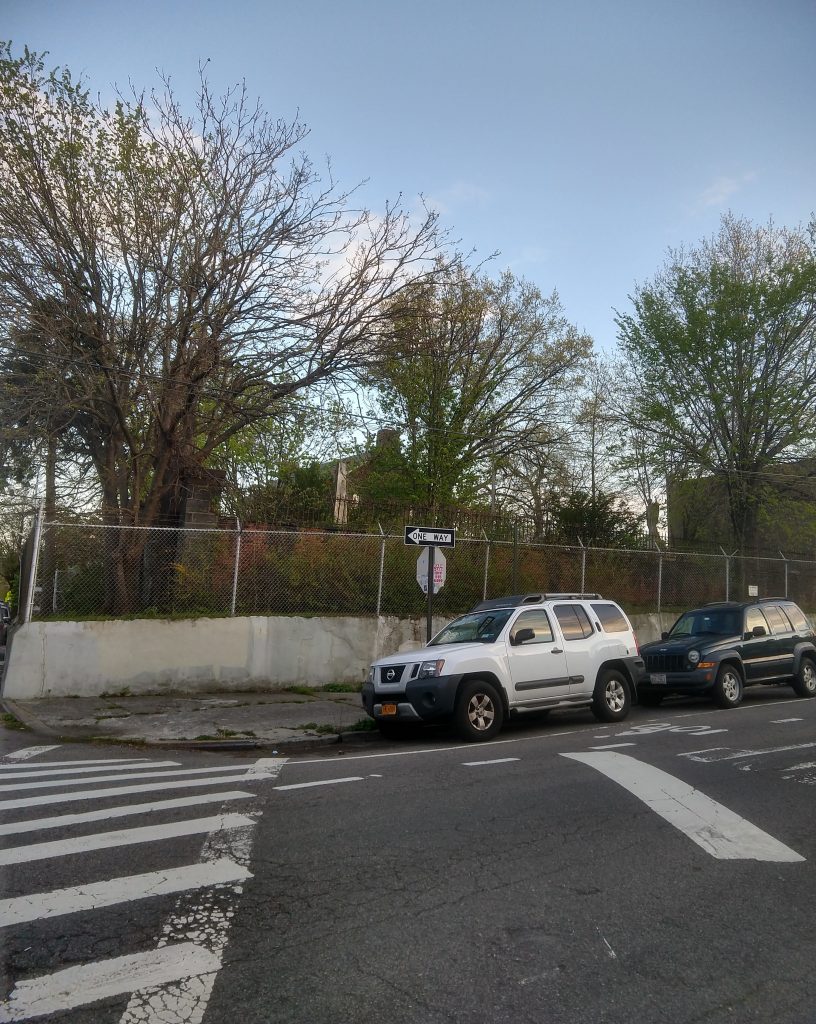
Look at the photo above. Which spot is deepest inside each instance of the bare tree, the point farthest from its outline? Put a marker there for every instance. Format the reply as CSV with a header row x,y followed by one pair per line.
x,y
185,272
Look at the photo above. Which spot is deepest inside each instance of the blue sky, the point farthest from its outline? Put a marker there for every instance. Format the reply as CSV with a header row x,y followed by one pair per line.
x,y
580,139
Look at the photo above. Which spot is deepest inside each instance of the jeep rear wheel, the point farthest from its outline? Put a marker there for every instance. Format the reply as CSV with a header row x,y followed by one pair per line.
x,y
611,700
804,683
479,712
728,687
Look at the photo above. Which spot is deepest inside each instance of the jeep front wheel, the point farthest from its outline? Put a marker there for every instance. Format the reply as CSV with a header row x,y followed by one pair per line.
x,y
728,687
804,682
478,714
610,702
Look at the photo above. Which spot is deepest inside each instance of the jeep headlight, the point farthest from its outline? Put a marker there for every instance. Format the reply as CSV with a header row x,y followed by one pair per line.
x,y
693,657
431,668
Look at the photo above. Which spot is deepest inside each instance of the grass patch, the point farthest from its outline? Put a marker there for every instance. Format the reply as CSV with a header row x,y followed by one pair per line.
x,y
363,725
304,691
10,722
343,688
314,727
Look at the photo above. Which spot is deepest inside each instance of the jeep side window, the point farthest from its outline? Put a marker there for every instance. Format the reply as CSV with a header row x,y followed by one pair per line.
x,y
538,622
779,623
574,621
754,617
797,617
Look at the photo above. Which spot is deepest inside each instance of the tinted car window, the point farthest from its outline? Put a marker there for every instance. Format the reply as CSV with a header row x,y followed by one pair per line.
x,y
574,621
611,618
754,617
779,622
797,617
716,621
538,622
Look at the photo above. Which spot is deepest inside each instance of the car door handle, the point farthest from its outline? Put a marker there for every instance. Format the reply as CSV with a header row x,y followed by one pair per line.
x,y
557,650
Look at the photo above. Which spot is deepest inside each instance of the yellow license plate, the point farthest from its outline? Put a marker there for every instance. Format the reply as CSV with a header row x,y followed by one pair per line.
x,y
389,709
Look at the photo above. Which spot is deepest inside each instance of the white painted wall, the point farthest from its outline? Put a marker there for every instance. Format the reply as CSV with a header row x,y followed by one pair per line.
x,y
257,652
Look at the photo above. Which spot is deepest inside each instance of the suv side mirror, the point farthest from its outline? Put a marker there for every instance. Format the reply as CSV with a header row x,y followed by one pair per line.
x,y
664,635
760,631
522,636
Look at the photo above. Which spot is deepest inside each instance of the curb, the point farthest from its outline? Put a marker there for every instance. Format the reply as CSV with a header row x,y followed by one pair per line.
x,y
304,745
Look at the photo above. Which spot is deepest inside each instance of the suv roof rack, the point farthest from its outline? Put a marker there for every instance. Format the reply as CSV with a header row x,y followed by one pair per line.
x,y
515,600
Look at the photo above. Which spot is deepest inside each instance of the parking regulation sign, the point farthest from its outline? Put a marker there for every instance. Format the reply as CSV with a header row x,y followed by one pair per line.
x,y
430,536
440,571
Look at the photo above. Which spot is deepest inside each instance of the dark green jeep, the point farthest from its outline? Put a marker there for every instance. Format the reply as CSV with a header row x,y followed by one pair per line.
x,y
720,649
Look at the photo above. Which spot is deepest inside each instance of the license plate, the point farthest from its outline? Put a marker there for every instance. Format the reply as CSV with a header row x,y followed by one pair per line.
x,y
658,678
391,709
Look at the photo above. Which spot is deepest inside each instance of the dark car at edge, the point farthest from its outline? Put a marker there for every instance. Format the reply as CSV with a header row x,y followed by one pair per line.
x,y
719,649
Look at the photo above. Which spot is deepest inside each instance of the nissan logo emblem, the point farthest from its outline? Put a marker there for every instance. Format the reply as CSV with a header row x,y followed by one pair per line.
x,y
389,675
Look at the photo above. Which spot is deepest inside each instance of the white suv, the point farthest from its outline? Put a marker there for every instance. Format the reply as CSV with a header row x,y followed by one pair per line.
x,y
531,652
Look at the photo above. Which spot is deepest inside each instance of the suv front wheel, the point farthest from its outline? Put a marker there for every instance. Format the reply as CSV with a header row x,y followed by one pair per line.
x,y
610,702
728,687
479,712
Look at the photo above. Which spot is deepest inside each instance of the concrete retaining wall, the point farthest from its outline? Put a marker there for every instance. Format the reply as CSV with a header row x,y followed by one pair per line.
x,y
257,652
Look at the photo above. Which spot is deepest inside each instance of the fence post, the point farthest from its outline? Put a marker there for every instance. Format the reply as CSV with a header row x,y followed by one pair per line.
x,y
382,567
514,588
35,558
487,563
728,558
659,583
786,573
583,566
235,570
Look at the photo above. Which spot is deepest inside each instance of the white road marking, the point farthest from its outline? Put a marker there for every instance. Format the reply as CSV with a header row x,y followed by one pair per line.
x,y
715,828
322,782
266,767
53,783
611,746
13,828
22,909
495,760
117,791
42,772
731,755
47,765
123,837
781,721
208,924
27,752
88,983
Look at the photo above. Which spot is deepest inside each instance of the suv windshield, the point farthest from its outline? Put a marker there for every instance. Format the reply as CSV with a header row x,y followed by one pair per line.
x,y
481,627
716,621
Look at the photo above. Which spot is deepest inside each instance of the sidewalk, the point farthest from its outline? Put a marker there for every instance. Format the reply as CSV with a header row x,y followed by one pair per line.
x,y
228,721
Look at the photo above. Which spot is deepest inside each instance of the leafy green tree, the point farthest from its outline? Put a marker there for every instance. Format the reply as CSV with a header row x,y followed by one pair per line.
x,y
597,520
721,347
469,370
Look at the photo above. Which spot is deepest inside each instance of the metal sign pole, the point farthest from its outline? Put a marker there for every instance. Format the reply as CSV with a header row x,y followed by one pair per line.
x,y
431,557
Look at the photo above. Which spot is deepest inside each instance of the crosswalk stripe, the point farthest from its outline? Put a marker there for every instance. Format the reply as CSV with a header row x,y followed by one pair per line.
x,y
119,791
45,765
88,983
27,752
42,772
42,905
123,837
13,828
53,783
714,827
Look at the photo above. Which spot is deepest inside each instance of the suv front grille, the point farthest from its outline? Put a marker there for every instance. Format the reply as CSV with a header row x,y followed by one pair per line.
x,y
666,663
387,669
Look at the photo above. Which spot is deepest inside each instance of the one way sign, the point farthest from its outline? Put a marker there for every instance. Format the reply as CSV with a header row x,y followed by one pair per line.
x,y
430,535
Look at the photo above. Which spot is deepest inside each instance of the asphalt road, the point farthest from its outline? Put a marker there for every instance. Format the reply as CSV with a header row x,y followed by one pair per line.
x,y
658,870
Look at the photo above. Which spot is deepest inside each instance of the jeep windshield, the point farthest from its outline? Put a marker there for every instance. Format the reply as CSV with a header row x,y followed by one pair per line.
x,y
714,621
478,627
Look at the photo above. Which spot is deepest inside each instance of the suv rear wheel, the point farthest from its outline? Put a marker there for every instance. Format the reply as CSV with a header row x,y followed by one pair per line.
x,y
610,702
804,682
728,687
479,713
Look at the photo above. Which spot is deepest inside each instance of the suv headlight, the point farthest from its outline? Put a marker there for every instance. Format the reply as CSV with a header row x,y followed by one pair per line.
x,y
693,657
431,668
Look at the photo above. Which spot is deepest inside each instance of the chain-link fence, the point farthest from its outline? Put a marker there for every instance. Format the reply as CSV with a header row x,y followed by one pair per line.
x,y
91,571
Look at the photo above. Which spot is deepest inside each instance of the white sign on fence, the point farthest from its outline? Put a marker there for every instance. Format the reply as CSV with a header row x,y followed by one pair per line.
x,y
440,569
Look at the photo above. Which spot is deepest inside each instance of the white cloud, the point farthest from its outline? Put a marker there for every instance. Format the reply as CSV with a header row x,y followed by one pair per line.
x,y
721,189
460,193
